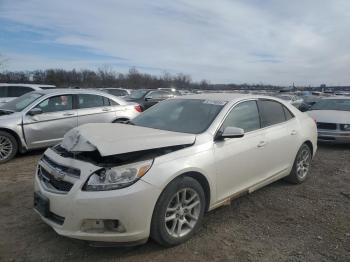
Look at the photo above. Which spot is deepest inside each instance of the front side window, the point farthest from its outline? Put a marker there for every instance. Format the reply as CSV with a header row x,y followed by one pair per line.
x,y
56,104
271,112
245,115
90,101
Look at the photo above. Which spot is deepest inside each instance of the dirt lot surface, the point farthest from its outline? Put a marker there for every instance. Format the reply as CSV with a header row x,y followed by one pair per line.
x,y
281,222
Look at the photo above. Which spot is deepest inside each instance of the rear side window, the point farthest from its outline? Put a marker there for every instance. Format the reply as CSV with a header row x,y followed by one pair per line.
x,y
16,91
245,115
271,112
90,101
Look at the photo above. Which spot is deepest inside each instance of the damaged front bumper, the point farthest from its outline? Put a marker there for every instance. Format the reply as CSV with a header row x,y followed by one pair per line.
x,y
122,215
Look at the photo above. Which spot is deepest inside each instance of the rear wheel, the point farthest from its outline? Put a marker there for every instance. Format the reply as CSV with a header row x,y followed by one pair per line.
x,y
8,147
301,167
178,212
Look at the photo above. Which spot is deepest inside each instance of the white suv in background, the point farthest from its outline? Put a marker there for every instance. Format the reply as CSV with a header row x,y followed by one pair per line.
x,y
11,91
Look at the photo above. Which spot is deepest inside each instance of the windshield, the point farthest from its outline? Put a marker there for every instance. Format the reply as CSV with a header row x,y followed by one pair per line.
x,y
192,116
137,94
332,104
20,103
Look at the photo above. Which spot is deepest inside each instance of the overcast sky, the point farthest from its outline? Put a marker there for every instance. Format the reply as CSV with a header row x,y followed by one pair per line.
x,y
247,41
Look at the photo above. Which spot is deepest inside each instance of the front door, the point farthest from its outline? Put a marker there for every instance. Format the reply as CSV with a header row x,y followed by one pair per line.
x,y
49,127
239,160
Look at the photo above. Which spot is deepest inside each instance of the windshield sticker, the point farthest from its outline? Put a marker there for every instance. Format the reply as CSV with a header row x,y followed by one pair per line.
x,y
212,102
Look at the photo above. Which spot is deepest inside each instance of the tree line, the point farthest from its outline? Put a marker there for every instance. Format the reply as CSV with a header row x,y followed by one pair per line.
x,y
106,77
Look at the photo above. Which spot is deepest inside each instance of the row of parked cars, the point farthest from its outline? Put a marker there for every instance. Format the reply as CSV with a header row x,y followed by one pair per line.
x,y
42,114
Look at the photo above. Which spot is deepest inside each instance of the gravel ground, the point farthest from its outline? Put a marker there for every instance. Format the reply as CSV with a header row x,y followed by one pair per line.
x,y
281,222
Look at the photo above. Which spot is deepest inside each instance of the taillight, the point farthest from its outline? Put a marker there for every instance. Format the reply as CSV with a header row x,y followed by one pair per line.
x,y
138,108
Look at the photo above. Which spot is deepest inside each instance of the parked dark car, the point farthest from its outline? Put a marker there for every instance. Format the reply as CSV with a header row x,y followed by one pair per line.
x,y
148,97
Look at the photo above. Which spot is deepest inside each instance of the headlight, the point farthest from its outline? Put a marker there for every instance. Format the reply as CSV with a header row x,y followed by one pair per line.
x,y
117,177
345,127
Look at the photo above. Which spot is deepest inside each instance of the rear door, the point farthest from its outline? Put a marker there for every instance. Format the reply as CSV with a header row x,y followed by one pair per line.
x,y
49,127
280,128
95,109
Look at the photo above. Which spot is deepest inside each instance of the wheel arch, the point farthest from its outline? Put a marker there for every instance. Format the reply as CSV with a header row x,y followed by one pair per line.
x,y
16,136
310,145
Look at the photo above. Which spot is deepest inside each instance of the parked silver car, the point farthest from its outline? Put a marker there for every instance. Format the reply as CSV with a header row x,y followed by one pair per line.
x,y
41,118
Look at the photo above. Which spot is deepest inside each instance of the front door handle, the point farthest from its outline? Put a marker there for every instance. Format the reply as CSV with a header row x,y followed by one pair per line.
x,y
262,144
294,132
106,109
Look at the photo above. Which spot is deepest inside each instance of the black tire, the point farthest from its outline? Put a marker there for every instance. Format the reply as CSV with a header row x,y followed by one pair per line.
x,y
159,231
5,136
294,177
121,120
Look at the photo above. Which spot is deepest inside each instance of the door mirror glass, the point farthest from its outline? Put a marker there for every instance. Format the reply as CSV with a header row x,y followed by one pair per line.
x,y
35,111
231,132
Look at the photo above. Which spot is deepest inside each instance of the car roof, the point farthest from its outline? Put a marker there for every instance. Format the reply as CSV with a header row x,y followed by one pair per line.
x,y
58,91
35,86
224,97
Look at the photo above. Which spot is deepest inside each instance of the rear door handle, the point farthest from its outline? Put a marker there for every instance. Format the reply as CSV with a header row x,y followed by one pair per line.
x,y
106,109
262,144
294,132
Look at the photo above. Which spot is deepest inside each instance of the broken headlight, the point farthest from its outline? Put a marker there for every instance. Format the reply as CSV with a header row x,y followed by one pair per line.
x,y
117,177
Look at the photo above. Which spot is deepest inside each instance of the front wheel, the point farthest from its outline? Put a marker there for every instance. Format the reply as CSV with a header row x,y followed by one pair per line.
x,y
178,212
301,167
8,147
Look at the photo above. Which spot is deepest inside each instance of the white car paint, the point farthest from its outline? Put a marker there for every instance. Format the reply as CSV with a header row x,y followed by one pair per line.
x,y
130,138
231,167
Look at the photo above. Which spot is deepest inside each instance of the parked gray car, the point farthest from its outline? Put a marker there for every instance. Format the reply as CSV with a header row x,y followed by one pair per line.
x,y
41,118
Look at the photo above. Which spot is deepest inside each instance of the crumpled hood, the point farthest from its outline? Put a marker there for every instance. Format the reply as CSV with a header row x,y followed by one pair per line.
x,y
113,139
330,116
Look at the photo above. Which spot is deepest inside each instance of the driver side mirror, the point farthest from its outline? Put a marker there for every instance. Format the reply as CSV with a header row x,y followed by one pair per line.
x,y
230,132
35,111
148,98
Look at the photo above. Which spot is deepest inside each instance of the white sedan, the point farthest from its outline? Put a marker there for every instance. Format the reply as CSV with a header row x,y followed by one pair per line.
x,y
332,115
159,174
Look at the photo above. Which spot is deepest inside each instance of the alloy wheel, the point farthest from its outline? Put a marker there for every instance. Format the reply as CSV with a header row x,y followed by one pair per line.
x,y
6,147
303,163
182,212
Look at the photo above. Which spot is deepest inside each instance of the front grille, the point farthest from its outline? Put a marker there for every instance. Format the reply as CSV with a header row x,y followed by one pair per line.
x,y
68,170
62,152
328,126
51,182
